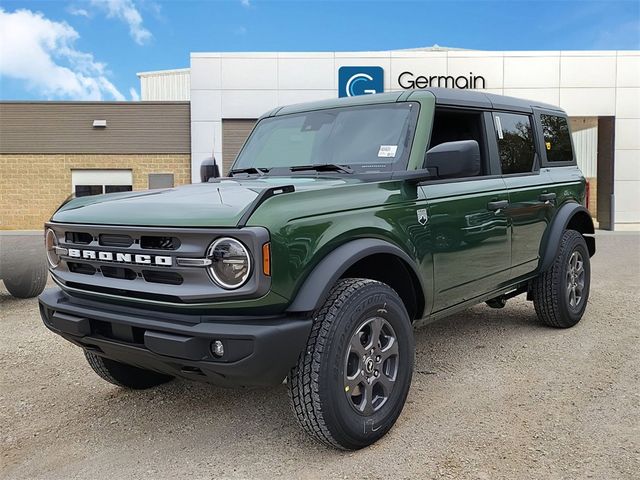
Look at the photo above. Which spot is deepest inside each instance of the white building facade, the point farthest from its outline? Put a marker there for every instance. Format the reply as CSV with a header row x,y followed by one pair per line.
x,y
600,90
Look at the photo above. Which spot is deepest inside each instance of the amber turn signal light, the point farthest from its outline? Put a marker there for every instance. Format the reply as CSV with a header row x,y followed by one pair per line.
x,y
266,259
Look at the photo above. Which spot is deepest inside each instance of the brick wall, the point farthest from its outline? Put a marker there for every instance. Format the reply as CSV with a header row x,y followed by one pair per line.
x,y
32,186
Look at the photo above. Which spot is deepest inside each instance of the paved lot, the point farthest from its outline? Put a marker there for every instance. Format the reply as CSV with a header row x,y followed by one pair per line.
x,y
495,395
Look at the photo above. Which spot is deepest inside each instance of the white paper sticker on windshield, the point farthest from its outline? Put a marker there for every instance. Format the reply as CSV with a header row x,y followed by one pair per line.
x,y
387,151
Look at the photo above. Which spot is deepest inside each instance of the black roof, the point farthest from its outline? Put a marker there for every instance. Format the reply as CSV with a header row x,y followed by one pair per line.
x,y
478,98
444,96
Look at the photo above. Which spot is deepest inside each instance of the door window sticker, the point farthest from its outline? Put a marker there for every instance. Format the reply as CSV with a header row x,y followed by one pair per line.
x,y
499,128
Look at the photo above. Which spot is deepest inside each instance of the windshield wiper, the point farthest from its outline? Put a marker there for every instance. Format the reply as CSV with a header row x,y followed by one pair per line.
x,y
249,170
322,167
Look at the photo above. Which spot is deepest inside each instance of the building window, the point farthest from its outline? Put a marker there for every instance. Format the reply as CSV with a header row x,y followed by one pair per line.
x,y
557,139
515,143
97,182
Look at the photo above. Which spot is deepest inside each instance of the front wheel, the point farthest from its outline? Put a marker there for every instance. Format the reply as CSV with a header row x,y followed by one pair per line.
x,y
352,380
560,294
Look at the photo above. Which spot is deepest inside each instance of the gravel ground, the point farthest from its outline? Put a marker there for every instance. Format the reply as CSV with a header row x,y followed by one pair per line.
x,y
495,395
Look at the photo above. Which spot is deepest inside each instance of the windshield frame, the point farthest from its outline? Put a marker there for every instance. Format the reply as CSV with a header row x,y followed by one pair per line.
x,y
399,164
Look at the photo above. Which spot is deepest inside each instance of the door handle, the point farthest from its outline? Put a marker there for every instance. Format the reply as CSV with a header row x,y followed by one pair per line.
x,y
547,197
497,205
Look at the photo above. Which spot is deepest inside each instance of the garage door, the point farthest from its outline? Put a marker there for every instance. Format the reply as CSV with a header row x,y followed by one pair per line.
x,y
234,133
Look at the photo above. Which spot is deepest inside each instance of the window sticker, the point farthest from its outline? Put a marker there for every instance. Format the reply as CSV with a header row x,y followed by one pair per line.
x,y
388,151
499,128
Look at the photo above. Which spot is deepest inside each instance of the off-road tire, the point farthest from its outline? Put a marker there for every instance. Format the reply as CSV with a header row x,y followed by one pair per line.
x,y
549,289
30,283
124,375
317,385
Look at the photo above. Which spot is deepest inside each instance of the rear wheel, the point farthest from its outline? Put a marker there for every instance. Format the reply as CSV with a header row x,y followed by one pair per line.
x,y
124,375
352,380
561,293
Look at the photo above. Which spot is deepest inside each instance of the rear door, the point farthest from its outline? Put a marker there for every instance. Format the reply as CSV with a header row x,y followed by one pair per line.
x,y
531,200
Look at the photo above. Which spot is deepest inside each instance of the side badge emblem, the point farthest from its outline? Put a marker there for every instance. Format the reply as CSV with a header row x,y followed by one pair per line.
x,y
422,216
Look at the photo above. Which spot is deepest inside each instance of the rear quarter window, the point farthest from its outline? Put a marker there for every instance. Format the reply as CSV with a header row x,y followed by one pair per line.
x,y
557,138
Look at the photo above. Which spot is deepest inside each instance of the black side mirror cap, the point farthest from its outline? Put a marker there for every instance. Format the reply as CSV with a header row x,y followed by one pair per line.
x,y
457,159
208,170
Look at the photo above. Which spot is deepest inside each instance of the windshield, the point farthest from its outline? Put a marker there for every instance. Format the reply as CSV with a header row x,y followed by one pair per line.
x,y
369,138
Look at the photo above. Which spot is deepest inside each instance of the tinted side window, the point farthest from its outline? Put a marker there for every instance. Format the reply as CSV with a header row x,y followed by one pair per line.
x,y
515,142
557,138
455,125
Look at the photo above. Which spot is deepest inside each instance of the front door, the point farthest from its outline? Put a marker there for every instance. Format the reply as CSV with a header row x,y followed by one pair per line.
x,y
469,238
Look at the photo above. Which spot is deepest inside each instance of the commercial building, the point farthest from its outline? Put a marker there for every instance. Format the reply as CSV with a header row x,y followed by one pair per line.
x,y
600,90
49,150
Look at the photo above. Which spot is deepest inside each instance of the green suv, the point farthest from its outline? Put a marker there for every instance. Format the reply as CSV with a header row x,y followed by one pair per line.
x,y
341,226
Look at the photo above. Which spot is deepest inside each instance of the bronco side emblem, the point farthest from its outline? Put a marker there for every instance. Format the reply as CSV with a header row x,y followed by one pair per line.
x,y
422,216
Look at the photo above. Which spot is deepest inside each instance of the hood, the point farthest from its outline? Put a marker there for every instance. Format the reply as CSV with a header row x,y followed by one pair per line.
x,y
219,204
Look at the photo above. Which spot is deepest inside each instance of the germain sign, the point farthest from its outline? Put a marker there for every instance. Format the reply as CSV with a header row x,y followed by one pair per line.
x,y
354,81
364,80
407,81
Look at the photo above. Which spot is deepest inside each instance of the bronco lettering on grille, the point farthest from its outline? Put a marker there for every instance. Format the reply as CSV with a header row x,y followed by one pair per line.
x,y
141,259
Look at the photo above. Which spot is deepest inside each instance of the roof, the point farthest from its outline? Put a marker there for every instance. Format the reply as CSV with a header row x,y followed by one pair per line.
x,y
434,48
175,71
443,96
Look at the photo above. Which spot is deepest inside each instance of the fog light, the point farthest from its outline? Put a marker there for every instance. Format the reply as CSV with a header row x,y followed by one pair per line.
x,y
217,348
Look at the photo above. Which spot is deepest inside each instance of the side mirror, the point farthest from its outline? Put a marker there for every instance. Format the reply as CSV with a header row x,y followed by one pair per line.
x,y
209,169
454,159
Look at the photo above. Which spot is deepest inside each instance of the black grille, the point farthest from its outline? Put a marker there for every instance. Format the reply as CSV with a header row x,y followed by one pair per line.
x,y
83,268
113,240
118,272
123,261
169,278
81,238
159,243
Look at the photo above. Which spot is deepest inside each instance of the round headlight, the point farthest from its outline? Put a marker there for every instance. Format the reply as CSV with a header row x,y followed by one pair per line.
x,y
230,263
51,243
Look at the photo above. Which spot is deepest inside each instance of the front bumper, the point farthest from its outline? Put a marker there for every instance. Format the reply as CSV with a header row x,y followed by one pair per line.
x,y
258,350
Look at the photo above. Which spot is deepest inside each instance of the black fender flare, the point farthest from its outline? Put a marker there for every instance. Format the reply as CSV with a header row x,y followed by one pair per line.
x,y
555,230
316,287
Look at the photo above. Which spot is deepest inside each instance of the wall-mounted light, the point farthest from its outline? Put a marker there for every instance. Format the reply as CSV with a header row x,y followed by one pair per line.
x,y
99,124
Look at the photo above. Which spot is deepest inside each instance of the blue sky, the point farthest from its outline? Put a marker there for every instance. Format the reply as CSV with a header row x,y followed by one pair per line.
x,y
92,49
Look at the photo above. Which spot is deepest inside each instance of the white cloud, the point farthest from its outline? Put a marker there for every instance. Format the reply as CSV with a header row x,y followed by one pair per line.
x,y
245,3
135,96
78,12
41,53
126,11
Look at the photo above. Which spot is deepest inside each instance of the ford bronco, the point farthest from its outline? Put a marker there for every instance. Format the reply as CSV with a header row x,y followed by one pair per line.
x,y
341,226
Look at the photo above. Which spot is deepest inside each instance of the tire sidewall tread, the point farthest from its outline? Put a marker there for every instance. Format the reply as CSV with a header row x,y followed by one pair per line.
x,y
319,405
548,289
